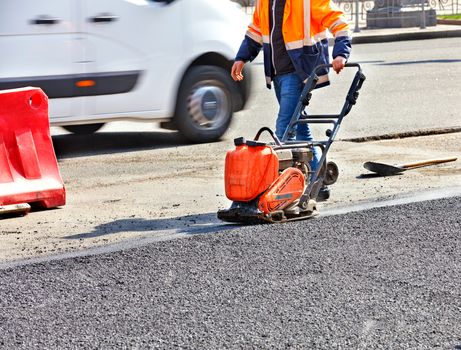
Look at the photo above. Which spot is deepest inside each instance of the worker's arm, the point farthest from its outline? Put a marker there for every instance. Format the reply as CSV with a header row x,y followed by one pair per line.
x,y
331,17
250,47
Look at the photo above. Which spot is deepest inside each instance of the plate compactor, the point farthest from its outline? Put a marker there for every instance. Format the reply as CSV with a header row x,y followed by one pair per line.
x,y
273,182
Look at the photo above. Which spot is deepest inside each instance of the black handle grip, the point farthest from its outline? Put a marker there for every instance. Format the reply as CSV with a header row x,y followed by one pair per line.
x,y
353,93
274,137
103,18
347,65
45,20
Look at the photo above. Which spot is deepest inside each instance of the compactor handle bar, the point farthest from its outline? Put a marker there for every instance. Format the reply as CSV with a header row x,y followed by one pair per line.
x,y
335,119
329,65
310,84
305,97
313,79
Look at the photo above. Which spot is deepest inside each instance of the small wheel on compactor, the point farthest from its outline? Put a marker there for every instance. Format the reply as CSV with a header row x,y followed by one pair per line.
x,y
331,174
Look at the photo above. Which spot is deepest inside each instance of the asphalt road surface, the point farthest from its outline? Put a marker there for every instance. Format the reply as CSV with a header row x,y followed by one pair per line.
x,y
385,278
410,85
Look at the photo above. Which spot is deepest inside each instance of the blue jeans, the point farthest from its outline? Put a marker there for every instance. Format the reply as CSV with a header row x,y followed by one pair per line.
x,y
288,88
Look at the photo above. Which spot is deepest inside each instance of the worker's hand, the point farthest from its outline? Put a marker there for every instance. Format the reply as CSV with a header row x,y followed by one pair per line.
x,y
237,69
338,64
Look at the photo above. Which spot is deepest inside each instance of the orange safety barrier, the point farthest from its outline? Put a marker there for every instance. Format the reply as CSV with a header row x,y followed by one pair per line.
x,y
28,167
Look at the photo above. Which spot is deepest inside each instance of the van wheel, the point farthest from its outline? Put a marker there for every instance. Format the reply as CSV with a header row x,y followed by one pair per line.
x,y
84,128
204,106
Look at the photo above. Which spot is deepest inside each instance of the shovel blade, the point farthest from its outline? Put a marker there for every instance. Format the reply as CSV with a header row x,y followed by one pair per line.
x,y
383,169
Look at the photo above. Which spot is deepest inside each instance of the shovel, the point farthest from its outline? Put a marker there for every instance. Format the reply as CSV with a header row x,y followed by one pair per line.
x,y
387,170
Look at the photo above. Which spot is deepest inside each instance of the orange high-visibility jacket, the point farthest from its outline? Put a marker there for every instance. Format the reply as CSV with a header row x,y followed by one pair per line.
x,y
305,23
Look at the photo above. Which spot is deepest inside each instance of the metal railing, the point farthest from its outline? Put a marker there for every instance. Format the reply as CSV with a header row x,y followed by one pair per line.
x,y
397,13
443,7
357,10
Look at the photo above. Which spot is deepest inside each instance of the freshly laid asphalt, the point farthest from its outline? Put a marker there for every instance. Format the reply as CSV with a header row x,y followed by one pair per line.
x,y
384,278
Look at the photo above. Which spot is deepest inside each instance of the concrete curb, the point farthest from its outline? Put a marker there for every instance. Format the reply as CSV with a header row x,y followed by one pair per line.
x,y
402,135
372,36
456,22
388,37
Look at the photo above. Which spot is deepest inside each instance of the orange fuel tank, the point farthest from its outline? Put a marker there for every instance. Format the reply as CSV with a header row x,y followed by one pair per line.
x,y
285,190
249,170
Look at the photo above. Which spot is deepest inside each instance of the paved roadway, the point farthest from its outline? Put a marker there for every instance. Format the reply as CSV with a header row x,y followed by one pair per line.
x,y
385,278
410,85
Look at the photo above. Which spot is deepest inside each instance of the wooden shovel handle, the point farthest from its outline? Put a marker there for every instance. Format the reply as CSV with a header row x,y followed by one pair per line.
x,y
428,162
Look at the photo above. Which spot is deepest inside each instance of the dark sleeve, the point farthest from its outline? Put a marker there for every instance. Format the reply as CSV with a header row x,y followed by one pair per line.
x,y
248,51
342,47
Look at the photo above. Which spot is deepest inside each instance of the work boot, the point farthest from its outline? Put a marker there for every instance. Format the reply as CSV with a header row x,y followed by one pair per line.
x,y
324,194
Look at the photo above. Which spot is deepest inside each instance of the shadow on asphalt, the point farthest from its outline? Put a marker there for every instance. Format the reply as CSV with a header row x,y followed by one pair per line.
x,y
370,61
419,62
189,224
370,176
72,146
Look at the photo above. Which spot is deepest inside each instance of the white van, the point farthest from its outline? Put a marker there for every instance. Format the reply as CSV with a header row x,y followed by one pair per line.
x,y
99,61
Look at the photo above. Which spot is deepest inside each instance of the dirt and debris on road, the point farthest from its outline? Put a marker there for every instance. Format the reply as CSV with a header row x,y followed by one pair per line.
x,y
120,196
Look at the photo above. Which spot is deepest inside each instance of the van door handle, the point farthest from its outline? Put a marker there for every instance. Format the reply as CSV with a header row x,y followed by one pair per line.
x,y
103,18
45,20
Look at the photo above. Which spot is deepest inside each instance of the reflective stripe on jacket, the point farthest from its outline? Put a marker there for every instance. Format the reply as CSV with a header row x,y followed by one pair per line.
x,y
305,40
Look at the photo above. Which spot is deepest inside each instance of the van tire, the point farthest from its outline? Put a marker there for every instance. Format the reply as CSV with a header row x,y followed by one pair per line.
x,y
204,107
83,129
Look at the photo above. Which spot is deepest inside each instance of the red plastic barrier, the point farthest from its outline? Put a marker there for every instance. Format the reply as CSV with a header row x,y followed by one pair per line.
x,y
28,167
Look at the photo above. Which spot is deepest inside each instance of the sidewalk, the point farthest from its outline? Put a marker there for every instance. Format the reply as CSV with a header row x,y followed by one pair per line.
x,y
367,36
